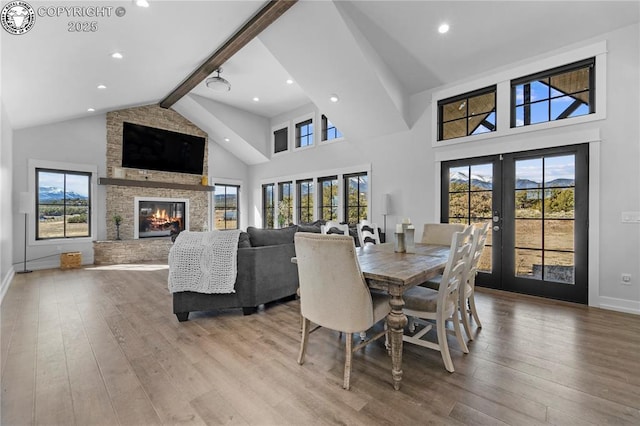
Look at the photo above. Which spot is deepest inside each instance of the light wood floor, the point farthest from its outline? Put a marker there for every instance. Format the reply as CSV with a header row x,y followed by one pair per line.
x,y
101,346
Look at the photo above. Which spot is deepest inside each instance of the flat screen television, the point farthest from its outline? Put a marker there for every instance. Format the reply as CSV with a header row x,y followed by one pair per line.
x,y
156,149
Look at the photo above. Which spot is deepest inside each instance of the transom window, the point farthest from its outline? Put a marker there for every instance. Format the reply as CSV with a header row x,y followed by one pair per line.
x,y
328,200
63,204
329,130
285,203
268,205
356,203
468,114
225,206
281,140
304,133
305,192
555,94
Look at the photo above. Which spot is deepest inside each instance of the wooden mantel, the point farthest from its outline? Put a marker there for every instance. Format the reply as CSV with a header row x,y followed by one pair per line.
x,y
154,184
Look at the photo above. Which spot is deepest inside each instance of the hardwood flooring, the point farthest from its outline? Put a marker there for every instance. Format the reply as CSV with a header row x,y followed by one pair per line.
x,y
100,345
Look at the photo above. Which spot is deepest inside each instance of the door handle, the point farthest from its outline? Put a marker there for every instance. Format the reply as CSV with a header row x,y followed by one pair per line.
x,y
496,228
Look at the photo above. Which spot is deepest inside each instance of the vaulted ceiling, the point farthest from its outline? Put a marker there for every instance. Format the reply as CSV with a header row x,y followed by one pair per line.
x,y
373,54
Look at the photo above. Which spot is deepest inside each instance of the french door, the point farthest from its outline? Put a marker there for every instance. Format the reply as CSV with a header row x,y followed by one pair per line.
x,y
537,203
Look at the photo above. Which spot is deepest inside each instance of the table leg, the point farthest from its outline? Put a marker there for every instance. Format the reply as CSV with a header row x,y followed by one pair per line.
x,y
396,320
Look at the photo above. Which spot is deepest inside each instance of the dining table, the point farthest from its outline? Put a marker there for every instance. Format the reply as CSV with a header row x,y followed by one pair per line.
x,y
395,272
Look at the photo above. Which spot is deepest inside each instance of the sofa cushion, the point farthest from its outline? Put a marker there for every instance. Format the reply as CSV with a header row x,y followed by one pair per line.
x,y
269,237
311,227
244,241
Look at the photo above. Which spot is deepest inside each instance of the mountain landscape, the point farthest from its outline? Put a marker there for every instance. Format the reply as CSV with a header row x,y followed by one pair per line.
x,y
51,194
486,182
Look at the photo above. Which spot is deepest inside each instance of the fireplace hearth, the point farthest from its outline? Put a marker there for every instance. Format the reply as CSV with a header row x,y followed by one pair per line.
x,y
160,217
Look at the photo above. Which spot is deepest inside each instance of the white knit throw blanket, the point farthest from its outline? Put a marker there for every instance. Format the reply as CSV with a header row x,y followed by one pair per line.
x,y
204,262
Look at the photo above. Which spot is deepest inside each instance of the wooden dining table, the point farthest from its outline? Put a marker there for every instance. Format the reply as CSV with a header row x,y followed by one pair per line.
x,y
395,273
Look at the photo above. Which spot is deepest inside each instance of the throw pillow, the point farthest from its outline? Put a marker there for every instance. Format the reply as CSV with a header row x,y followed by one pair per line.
x,y
244,241
270,237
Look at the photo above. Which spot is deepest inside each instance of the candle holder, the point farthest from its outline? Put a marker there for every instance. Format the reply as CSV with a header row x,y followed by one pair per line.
x,y
399,246
409,241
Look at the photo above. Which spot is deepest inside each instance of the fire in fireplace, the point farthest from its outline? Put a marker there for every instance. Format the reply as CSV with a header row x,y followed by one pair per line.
x,y
160,218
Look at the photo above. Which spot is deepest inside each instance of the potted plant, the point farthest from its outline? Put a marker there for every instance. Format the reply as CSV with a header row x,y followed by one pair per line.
x,y
117,219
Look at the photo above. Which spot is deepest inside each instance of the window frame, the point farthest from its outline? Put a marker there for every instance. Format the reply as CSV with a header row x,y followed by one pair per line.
x,y
306,120
280,127
347,206
310,196
225,209
266,207
321,206
466,96
280,198
589,63
324,120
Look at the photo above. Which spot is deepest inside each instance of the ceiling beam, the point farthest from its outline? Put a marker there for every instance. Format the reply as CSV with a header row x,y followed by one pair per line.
x,y
261,20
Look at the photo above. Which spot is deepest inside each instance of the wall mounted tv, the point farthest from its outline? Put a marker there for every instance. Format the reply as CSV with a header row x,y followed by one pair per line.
x,y
156,149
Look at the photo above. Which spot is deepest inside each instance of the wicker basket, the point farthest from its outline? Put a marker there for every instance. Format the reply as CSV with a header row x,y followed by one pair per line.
x,y
71,260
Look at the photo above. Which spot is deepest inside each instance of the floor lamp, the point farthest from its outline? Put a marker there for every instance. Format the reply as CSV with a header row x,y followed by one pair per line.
x,y
25,206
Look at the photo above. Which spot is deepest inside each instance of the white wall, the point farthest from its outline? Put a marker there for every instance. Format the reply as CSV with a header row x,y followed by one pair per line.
x,y
404,165
6,204
80,141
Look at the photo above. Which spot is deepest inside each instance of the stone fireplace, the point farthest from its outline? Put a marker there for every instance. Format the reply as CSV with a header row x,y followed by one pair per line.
x,y
160,217
125,187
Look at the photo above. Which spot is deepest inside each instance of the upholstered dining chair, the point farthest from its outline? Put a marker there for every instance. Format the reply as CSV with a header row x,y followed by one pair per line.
x,y
368,233
441,305
333,292
467,304
344,228
440,233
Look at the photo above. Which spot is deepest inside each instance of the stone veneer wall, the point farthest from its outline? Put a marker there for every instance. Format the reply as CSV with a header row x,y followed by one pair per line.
x,y
120,199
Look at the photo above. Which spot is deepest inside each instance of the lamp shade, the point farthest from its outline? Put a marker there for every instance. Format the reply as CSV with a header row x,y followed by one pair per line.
x,y
385,204
26,202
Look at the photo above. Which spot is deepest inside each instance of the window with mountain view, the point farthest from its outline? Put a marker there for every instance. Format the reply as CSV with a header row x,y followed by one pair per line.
x,y
305,200
552,95
285,204
356,197
328,208
268,205
63,204
225,206
468,114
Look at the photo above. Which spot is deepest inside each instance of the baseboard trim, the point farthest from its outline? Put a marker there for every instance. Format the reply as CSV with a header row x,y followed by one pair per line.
x,y
6,282
620,305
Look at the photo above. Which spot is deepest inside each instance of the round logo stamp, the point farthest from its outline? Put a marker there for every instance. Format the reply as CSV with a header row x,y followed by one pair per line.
x,y
17,17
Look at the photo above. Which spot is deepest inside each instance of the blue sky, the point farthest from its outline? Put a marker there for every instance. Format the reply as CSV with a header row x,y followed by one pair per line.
x,y
75,183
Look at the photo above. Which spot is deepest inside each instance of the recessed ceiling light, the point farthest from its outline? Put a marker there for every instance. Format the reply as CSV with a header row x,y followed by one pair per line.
x,y
256,99
289,81
101,86
226,139
90,109
334,98
443,28
116,55
142,3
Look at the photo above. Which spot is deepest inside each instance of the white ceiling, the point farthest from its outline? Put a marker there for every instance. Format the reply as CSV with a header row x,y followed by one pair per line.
x,y
50,74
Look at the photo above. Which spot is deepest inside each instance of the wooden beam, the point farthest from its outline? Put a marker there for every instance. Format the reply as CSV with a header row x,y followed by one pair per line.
x,y
261,20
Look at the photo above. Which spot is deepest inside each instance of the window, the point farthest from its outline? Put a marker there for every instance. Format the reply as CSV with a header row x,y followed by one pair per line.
x,y
63,204
329,131
304,133
285,203
305,200
225,206
328,198
555,94
281,140
469,114
268,205
355,190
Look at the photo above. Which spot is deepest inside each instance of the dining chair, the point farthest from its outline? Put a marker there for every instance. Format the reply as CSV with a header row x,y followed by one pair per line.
x,y
467,303
333,292
327,227
368,233
441,305
440,233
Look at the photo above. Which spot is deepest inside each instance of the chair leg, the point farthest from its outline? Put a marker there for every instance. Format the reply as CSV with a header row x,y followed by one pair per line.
x,y
304,340
465,320
347,361
444,346
456,327
474,311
